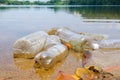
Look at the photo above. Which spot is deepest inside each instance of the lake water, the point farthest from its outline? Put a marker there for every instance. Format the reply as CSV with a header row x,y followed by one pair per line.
x,y
18,21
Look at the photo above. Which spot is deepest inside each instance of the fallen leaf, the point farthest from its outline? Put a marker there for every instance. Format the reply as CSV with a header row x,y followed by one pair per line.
x,y
75,77
85,74
63,76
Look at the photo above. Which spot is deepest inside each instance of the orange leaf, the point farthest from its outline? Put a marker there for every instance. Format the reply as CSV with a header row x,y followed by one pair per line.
x,y
63,76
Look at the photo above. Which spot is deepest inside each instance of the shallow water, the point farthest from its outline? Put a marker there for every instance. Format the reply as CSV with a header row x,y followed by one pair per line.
x,y
16,22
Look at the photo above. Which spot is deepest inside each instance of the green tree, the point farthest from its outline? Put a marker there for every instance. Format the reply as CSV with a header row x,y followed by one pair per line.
x,y
3,1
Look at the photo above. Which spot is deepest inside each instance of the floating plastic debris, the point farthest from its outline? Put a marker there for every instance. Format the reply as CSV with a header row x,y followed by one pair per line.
x,y
32,43
51,41
110,43
51,56
79,42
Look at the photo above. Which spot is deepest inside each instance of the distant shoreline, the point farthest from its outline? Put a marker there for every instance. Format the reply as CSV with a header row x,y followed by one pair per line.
x,y
2,5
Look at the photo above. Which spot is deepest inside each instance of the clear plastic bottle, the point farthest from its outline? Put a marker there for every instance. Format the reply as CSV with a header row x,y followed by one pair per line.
x,y
79,42
51,41
48,58
110,43
67,35
31,44
95,37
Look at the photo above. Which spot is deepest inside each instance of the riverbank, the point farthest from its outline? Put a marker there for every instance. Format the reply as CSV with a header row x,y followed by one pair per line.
x,y
3,5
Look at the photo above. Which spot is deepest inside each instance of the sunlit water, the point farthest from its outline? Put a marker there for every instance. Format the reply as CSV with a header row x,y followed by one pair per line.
x,y
16,22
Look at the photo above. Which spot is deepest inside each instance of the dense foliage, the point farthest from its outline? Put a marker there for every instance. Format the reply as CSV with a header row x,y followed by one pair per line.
x,y
25,2
63,2
86,2
94,2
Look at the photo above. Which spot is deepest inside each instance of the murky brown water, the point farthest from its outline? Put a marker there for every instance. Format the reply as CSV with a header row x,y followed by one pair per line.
x,y
17,22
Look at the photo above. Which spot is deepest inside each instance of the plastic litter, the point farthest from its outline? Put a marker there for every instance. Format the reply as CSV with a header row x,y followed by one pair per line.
x,y
96,37
66,35
110,43
52,51
50,56
30,44
52,40
79,42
